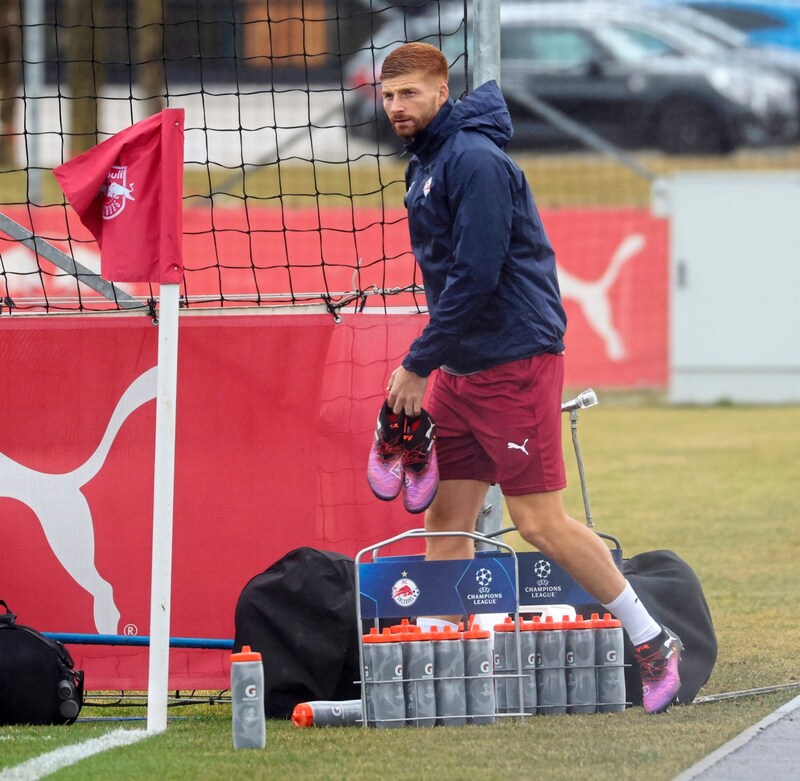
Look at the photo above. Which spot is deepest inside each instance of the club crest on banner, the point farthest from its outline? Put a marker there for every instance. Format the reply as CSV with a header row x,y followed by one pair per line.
x,y
405,592
116,191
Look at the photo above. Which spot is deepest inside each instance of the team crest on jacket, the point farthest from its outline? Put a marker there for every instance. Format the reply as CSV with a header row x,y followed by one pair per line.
x,y
426,188
116,191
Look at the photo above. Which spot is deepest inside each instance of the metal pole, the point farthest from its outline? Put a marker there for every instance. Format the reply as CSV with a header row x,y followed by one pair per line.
x,y
33,83
486,41
486,66
573,419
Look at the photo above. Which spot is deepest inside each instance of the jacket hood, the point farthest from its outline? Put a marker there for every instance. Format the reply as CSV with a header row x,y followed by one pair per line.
x,y
483,110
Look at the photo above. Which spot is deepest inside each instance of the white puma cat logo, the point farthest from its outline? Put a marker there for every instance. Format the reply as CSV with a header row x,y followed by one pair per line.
x,y
514,446
593,295
62,509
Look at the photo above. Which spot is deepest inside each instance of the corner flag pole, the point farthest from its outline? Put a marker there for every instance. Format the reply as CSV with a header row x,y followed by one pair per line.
x,y
163,493
99,185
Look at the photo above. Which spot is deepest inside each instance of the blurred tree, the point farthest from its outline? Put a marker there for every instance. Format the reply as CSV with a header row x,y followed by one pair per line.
x,y
83,23
10,77
149,48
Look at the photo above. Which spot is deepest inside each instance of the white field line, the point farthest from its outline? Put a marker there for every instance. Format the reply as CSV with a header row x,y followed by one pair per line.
x,y
44,765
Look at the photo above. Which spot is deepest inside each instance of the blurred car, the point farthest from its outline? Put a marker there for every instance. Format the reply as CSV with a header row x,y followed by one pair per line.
x,y
669,31
737,43
775,23
595,74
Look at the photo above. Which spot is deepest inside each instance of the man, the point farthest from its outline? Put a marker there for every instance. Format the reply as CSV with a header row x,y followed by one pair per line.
x,y
495,333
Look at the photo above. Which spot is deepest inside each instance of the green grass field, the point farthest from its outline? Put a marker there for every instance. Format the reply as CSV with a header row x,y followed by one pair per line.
x,y
716,485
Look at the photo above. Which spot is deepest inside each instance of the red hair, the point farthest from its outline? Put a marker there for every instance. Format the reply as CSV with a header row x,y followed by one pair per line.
x,y
413,57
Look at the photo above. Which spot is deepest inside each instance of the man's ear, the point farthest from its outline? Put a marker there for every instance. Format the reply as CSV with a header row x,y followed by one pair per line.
x,y
444,93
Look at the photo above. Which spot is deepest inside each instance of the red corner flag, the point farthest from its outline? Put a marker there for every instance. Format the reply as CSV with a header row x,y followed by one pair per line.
x,y
128,192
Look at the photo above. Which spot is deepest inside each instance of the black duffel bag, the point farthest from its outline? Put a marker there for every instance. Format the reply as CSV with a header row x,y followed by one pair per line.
x,y
300,614
670,590
38,680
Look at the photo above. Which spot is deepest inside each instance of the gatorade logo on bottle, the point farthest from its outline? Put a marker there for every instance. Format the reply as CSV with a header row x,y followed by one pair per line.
x,y
250,691
485,666
611,656
428,669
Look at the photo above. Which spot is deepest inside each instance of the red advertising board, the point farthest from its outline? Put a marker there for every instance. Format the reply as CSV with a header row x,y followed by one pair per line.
x,y
274,422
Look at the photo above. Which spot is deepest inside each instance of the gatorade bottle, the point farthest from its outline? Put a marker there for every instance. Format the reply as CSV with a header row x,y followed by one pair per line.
x,y
551,684
505,667
528,649
326,713
247,699
579,662
383,679
448,671
610,660
418,685
478,665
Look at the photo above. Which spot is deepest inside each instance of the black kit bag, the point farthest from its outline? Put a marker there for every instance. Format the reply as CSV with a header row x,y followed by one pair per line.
x,y
670,590
300,614
38,682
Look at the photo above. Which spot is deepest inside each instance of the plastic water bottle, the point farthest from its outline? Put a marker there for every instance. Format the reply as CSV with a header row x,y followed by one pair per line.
x,y
610,660
418,685
247,697
528,652
551,684
579,662
505,667
478,665
449,684
326,713
383,679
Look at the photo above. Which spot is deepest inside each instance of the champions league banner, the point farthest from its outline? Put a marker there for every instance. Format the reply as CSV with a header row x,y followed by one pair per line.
x,y
544,583
399,586
411,586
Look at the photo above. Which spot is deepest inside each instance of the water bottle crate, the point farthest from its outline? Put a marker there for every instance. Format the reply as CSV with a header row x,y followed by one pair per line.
x,y
426,679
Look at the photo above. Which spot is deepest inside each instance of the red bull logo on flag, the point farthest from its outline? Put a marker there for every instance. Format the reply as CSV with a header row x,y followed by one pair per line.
x,y
116,191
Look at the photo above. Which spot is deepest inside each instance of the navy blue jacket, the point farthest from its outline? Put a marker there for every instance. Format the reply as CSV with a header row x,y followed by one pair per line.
x,y
488,267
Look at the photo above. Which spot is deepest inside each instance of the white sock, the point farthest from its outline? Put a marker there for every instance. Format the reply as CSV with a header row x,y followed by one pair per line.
x,y
426,623
633,616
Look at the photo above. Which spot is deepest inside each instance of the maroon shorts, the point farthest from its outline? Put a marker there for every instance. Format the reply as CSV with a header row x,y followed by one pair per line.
x,y
502,425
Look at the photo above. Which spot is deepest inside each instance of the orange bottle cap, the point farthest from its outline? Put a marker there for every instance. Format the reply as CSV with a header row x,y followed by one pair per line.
x,y
606,622
404,627
447,634
387,636
303,715
247,654
476,633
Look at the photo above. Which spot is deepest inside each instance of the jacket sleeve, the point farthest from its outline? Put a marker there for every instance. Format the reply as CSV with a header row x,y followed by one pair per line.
x,y
480,197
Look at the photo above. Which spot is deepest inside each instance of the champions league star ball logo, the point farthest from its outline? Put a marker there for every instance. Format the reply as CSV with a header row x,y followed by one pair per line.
x,y
483,576
405,592
116,191
542,569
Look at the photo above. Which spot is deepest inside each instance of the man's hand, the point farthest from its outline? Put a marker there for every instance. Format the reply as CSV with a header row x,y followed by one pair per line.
x,y
406,390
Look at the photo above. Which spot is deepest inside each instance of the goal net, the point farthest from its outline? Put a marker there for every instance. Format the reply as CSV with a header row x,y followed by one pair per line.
x,y
293,189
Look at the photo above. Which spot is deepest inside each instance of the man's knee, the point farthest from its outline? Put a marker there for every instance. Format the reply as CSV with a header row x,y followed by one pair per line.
x,y
539,523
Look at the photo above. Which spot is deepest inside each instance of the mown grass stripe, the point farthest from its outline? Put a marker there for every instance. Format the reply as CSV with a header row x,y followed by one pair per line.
x,y
44,765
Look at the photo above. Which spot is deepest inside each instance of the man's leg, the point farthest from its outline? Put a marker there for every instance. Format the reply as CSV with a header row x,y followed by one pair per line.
x,y
455,508
543,522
